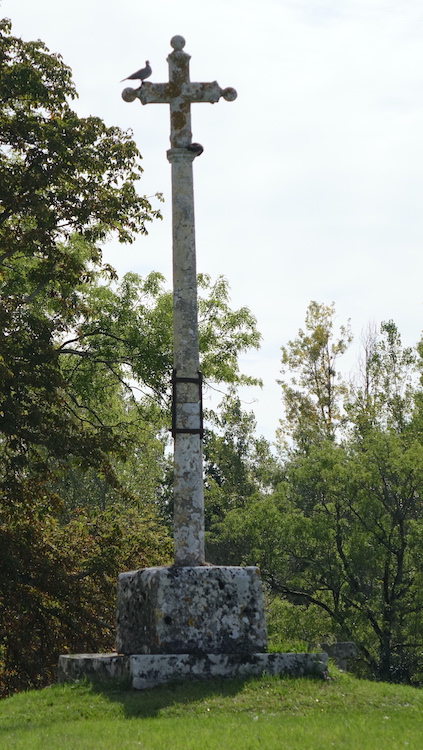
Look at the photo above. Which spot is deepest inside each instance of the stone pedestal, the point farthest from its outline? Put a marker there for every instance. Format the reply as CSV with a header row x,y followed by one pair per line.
x,y
188,623
190,610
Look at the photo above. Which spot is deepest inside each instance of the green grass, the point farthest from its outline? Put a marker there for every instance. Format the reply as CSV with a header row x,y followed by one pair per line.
x,y
262,714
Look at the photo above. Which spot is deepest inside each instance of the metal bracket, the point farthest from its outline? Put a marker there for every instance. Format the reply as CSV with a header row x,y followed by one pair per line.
x,y
187,430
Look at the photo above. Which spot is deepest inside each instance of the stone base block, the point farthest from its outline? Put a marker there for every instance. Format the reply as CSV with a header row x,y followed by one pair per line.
x,y
94,667
149,670
190,610
341,652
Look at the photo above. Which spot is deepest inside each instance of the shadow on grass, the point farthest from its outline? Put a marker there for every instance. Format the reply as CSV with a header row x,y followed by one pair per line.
x,y
150,702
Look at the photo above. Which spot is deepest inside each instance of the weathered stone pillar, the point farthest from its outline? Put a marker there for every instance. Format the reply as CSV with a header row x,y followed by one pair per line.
x,y
187,400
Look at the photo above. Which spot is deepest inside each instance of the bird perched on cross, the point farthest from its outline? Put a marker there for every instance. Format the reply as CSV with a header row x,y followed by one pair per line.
x,y
141,74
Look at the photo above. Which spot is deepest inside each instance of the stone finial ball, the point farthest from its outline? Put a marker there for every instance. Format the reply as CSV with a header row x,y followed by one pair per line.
x,y
129,95
229,94
177,42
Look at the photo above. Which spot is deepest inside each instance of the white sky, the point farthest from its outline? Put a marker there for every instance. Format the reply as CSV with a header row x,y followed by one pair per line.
x,y
311,182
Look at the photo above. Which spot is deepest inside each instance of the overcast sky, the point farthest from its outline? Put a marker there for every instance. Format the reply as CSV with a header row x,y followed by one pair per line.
x,y
311,182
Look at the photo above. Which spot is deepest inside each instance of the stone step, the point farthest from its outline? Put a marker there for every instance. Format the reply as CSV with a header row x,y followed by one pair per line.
x,y
143,671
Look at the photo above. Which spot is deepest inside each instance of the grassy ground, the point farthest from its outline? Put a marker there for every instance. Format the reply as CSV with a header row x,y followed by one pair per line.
x,y
267,713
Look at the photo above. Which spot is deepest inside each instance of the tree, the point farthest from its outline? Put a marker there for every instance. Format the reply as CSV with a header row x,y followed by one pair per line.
x,y
353,532
67,183
313,394
353,541
385,394
60,173
238,466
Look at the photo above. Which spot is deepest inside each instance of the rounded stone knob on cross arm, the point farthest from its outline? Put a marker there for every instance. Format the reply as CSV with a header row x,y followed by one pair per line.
x,y
128,94
229,94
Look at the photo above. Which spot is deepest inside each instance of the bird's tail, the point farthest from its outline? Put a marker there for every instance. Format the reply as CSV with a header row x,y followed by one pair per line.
x,y
130,79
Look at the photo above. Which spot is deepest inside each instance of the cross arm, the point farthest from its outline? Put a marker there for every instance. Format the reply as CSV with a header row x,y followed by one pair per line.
x,y
206,92
165,93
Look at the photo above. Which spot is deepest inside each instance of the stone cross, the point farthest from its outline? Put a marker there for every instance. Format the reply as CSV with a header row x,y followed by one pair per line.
x,y
187,418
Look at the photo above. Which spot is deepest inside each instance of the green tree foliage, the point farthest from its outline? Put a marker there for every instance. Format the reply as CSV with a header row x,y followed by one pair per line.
x,y
57,583
351,537
354,528
117,365
60,176
224,333
60,173
239,467
385,394
313,390
66,183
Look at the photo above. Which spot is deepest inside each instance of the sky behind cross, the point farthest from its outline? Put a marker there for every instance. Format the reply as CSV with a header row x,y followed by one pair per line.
x,y
311,182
